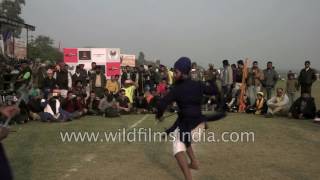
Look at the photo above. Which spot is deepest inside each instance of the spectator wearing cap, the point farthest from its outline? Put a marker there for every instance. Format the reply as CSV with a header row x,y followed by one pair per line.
x,y
306,78
270,79
292,86
254,78
261,104
226,78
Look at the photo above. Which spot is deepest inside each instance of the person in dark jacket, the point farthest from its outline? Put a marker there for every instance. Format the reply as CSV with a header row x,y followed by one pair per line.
x,y
303,108
306,78
62,77
270,78
99,83
78,76
188,95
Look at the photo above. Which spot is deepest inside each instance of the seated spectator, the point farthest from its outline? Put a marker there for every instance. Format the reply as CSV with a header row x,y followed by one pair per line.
x,y
34,106
49,83
92,104
108,105
124,103
141,104
278,104
81,104
112,85
260,107
79,90
53,110
70,105
303,108
129,87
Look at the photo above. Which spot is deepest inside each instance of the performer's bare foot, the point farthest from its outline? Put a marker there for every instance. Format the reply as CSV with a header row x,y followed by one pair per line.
x,y
194,165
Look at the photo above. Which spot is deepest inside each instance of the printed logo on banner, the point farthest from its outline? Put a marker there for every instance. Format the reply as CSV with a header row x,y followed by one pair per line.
x,y
113,68
128,60
113,54
84,54
70,55
99,54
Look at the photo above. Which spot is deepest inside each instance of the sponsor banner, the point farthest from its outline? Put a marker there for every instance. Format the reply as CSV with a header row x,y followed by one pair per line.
x,y
128,60
20,48
99,55
70,55
84,54
113,68
113,55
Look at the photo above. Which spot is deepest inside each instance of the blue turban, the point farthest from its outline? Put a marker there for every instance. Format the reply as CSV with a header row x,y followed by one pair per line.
x,y
183,64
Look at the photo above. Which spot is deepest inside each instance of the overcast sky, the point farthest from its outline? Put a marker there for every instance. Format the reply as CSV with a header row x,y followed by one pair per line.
x,y
284,31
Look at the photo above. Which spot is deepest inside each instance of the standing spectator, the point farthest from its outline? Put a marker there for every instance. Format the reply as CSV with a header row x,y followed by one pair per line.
x,y
83,72
99,83
226,79
78,76
92,71
112,85
238,73
195,72
307,77
270,79
170,77
255,76
140,79
292,87
303,108
278,104
125,75
163,72
212,74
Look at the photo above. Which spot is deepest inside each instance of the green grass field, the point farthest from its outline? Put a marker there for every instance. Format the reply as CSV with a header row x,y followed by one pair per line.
x,y
283,149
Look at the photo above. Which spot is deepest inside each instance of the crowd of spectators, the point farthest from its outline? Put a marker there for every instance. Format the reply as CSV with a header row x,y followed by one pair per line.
x,y
58,93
